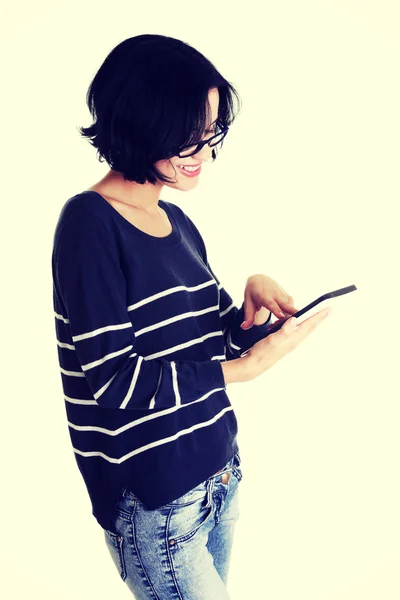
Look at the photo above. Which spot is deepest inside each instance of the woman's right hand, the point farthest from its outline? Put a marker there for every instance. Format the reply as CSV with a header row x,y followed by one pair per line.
x,y
265,353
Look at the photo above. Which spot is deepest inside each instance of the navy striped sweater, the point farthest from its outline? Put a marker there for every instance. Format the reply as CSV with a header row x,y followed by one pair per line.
x,y
142,325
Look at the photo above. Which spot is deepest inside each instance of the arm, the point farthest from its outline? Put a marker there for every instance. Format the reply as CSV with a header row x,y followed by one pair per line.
x,y
91,287
237,340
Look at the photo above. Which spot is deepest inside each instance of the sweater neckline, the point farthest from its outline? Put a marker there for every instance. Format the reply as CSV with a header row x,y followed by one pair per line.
x,y
172,239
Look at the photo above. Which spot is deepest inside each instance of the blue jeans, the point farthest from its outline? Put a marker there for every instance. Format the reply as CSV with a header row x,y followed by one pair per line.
x,y
181,550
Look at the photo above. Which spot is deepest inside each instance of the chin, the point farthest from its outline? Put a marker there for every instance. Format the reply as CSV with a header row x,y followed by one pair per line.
x,y
184,186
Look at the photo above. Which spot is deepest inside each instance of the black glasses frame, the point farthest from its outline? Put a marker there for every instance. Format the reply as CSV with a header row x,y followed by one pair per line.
x,y
224,131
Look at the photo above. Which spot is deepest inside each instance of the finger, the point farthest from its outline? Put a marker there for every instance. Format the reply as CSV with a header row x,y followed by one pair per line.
x,y
308,325
288,327
277,322
321,314
291,325
250,309
288,307
274,307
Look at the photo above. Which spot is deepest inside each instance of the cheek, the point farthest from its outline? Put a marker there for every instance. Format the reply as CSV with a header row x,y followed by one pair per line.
x,y
165,166
171,168
168,169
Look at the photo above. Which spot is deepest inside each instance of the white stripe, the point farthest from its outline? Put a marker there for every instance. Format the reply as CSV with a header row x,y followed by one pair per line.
x,y
133,383
61,318
64,345
72,373
173,290
157,442
135,375
94,332
227,310
102,360
153,400
178,400
79,401
231,344
176,318
184,345
155,415
140,332
105,386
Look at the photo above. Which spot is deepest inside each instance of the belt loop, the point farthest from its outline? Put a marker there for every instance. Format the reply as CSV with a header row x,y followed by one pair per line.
x,y
210,486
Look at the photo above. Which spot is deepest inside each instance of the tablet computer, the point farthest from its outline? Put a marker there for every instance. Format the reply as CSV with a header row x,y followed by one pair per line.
x,y
350,288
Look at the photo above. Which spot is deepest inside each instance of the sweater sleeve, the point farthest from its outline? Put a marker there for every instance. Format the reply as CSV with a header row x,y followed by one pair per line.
x,y
237,340
89,281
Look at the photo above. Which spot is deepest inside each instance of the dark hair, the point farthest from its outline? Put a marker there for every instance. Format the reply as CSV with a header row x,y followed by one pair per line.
x,y
149,100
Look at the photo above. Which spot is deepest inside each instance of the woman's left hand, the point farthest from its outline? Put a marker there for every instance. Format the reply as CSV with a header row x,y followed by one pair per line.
x,y
263,295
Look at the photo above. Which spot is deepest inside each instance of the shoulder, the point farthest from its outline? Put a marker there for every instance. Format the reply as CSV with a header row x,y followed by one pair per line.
x,y
83,210
181,216
174,208
186,223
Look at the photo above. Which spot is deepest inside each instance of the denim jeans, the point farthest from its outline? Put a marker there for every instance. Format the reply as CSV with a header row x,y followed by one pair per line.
x,y
181,550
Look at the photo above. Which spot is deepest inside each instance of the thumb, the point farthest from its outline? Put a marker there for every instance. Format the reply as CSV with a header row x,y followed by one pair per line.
x,y
249,314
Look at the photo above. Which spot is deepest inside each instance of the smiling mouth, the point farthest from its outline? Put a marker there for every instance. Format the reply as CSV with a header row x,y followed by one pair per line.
x,y
189,168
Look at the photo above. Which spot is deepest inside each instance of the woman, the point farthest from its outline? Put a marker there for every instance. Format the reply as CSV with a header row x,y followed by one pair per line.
x,y
148,338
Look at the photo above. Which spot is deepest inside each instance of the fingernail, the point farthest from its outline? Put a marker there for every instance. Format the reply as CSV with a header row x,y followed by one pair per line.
x,y
243,324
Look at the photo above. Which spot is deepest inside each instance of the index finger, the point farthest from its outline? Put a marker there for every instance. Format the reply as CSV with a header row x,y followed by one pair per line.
x,y
320,315
311,323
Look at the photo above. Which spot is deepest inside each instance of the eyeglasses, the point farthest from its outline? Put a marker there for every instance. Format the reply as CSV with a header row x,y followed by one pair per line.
x,y
211,141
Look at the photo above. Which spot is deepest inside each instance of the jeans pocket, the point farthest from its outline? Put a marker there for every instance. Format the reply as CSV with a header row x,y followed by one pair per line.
x,y
194,495
186,521
187,518
114,544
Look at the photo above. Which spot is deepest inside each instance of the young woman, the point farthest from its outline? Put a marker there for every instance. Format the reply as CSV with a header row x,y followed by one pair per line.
x,y
148,338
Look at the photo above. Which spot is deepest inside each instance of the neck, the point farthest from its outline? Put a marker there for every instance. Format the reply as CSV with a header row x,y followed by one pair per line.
x,y
143,197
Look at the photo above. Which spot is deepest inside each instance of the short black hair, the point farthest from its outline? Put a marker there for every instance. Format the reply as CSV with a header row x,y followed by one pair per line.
x,y
149,99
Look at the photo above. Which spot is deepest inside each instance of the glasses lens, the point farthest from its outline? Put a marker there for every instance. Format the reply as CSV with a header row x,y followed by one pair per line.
x,y
217,139
188,151
193,149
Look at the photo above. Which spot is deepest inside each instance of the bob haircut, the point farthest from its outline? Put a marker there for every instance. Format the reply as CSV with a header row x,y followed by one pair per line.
x,y
149,99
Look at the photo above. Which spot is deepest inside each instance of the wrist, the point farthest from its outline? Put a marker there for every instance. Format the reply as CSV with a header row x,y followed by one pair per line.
x,y
237,370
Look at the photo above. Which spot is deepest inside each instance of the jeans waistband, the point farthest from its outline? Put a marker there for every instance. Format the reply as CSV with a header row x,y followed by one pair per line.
x,y
227,467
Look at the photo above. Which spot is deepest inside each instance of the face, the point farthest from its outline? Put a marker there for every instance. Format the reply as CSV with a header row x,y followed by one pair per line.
x,y
186,180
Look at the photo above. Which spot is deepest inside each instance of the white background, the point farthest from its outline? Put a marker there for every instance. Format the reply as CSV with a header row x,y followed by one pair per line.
x,y
306,190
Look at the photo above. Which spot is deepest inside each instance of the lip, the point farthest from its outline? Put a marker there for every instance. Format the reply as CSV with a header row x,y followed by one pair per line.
x,y
187,174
